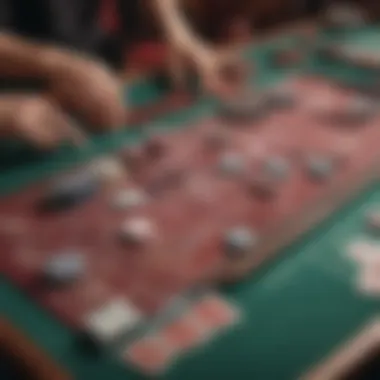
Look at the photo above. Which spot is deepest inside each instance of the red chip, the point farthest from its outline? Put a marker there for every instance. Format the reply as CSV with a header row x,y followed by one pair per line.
x,y
150,354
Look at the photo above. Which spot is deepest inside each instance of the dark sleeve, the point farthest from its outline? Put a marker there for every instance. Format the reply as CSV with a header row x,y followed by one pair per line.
x,y
75,23
130,12
5,14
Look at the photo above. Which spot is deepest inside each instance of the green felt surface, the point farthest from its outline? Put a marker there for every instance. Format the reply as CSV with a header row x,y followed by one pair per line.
x,y
295,310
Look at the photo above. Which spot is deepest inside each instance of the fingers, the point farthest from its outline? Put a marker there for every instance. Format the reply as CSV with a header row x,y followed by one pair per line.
x,y
177,69
101,107
224,74
88,89
34,119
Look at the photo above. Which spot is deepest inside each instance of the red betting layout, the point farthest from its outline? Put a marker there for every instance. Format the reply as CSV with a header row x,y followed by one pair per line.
x,y
220,196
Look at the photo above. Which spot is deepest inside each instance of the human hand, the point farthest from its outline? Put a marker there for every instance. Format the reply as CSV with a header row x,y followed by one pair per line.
x,y
37,120
87,88
220,72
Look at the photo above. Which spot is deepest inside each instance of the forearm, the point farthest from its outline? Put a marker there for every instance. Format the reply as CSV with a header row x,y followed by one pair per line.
x,y
176,27
22,59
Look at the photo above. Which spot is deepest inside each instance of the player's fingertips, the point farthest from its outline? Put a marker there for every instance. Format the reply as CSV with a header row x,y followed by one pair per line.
x,y
109,116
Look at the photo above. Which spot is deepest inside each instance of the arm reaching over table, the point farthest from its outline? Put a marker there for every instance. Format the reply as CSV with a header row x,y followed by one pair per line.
x,y
212,65
78,84
35,119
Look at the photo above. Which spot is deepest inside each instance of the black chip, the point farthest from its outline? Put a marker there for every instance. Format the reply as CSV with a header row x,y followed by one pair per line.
x,y
69,192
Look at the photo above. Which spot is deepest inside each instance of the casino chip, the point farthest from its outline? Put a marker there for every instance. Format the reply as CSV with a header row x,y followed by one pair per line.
x,y
231,164
243,108
128,198
276,168
239,241
108,169
319,168
64,268
69,191
137,231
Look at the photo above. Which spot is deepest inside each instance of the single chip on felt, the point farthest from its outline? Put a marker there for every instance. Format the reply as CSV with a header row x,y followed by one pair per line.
x,y
111,321
239,241
319,168
231,164
248,106
126,199
137,230
64,267
216,312
150,355
184,332
69,191
276,167
108,169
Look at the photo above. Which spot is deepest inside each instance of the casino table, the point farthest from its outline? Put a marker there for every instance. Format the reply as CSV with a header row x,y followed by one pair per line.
x,y
297,309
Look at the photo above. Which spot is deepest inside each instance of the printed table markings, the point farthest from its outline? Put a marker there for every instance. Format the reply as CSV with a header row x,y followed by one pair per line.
x,y
364,251
369,282
185,332
150,354
177,251
94,293
367,255
215,312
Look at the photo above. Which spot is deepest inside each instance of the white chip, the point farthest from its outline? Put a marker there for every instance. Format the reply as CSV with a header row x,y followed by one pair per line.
x,y
128,198
240,240
231,163
111,321
137,230
109,169
64,267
